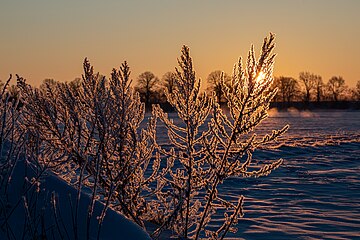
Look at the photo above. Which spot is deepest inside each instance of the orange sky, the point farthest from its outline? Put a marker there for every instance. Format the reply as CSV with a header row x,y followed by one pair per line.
x,y
49,39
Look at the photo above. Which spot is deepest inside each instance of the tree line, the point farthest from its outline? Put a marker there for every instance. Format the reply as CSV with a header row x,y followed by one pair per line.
x,y
309,87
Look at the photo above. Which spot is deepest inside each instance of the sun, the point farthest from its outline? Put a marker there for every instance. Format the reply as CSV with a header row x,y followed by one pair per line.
x,y
261,77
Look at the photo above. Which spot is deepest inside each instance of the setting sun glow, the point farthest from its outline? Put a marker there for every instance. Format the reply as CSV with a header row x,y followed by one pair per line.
x,y
260,78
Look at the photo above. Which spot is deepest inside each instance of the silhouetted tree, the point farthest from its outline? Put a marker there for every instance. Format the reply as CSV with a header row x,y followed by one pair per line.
x,y
318,87
288,88
75,84
48,82
168,81
214,84
336,86
308,80
356,92
145,86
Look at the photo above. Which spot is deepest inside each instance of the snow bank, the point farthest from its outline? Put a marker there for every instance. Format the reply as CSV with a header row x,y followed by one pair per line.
x,y
42,216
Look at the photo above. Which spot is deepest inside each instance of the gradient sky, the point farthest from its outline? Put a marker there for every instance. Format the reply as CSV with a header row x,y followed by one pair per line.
x,y
50,38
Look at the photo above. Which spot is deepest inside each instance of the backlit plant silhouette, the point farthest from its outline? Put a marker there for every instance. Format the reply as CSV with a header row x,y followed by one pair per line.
x,y
90,134
232,140
187,177
203,160
90,137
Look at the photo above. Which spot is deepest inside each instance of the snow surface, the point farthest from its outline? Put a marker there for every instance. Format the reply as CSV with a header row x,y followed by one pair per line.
x,y
115,226
315,193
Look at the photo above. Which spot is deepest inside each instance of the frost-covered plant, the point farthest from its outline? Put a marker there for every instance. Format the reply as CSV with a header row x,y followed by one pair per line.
x,y
10,137
91,134
15,172
233,140
187,178
203,160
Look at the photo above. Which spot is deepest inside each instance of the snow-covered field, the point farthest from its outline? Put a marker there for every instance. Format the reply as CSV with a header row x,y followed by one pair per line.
x,y
315,194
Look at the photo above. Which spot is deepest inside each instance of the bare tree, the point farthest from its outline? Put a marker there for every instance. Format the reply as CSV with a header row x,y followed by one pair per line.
x,y
318,87
308,80
169,81
48,82
288,89
336,87
145,86
75,84
215,85
356,91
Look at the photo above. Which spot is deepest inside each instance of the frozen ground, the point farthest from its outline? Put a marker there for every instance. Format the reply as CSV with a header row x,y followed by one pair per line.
x,y
315,194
